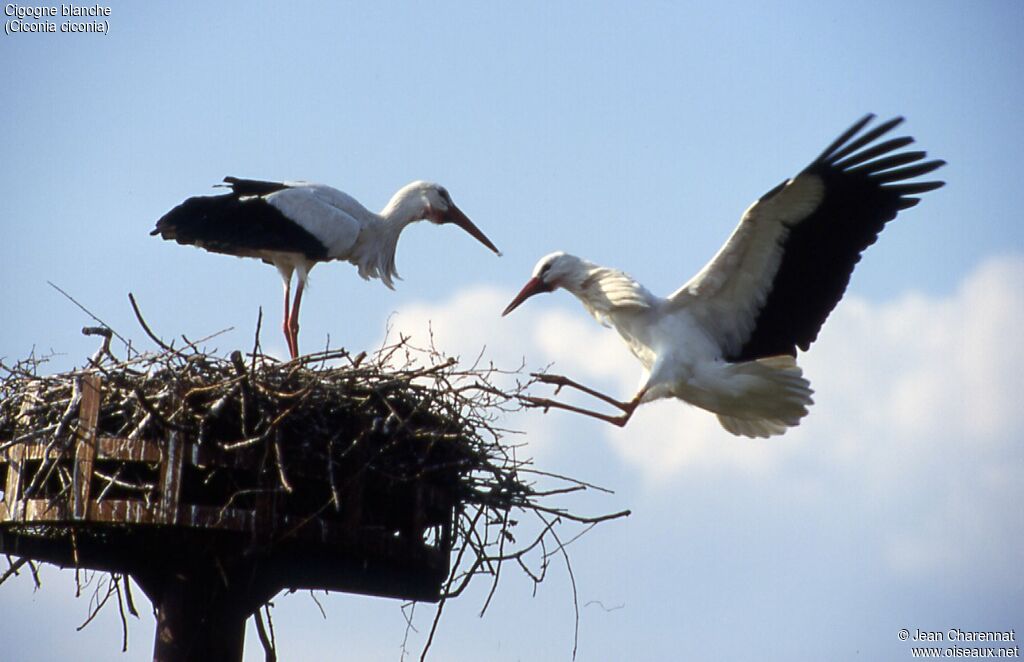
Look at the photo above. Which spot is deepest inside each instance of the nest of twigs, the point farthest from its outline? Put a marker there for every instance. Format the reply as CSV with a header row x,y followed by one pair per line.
x,y
311,426
392,423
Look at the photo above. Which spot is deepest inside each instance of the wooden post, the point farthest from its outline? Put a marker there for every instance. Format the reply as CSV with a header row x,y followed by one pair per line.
x,y
196,621
16,466
170,480
12,491
85,448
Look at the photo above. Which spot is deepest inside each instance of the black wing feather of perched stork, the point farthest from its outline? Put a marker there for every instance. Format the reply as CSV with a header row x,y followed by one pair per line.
x,y
862,191
239,223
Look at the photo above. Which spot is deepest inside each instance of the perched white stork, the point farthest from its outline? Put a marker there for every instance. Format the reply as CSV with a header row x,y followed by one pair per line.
x,y
295,225
727,340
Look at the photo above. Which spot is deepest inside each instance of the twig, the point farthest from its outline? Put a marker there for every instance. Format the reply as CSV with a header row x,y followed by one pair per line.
x,y
318,605
145,327
409,627
575,595
558,512
104,349
433,627
497,570
12,569
269,650
116,579
35,574
89,313
601,605
256,339
279,460
94,612
128,596
155,413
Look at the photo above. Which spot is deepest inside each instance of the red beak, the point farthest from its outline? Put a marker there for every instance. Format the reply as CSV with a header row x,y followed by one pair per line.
x,y
533,286
456,216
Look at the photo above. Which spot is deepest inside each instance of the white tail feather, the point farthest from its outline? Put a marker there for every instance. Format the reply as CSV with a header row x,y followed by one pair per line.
x,y
764,398
752,428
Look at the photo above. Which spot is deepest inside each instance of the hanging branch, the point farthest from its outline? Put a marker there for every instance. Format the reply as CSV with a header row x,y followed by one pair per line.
x,y
269,647
13,567
145,327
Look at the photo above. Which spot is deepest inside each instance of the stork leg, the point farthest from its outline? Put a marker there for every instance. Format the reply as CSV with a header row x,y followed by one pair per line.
x,y
627,407
293,321
559,381
287,315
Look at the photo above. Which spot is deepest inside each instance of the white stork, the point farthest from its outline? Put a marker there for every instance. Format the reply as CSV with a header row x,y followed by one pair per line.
x,y
295,225
727,340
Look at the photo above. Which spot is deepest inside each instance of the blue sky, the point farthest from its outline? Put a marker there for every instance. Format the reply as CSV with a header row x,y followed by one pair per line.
x,y
634,135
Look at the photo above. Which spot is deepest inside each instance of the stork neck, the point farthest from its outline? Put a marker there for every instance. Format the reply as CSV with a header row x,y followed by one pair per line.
x,y
389,228
402,210
374,252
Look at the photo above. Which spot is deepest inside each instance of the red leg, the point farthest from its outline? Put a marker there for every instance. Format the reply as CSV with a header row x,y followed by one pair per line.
x,y
560,381
627,407
293,321
287,316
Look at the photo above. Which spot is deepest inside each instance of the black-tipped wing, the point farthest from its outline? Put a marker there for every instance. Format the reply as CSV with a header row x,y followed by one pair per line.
x,y
239,223
773,284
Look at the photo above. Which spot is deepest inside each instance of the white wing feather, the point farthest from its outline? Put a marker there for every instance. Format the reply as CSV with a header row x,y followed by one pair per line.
x,y
328,214
730,290
604,291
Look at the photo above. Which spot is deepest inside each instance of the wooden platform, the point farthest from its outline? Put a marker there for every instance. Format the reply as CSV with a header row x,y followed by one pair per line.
x,y
209,556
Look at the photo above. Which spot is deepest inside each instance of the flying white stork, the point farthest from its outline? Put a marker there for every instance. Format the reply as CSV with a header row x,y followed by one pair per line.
x,y
726,341
295,225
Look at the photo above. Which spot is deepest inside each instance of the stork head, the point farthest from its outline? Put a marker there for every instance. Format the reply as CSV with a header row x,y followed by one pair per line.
x,y
426,200
552,272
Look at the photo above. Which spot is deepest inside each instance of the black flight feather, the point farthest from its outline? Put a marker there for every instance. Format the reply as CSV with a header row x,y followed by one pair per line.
x,y
239,223
821,250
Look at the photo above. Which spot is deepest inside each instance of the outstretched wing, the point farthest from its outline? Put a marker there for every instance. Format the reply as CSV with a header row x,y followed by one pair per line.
x,y
260,219
774,282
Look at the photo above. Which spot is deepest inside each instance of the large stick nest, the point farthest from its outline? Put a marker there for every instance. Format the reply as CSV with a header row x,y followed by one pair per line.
x,y
398,417
389,419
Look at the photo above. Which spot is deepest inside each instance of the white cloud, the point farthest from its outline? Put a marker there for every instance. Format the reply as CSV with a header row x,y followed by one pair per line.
x,y
917,407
